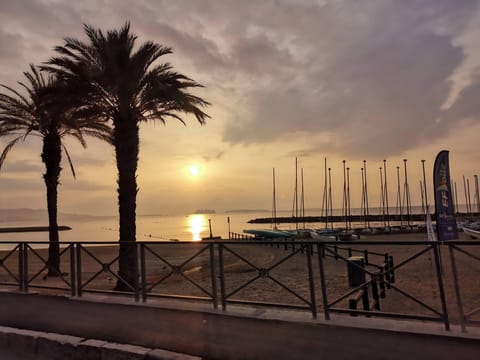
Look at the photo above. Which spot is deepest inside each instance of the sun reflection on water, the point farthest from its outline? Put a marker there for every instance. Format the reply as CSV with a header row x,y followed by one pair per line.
x,y
197,224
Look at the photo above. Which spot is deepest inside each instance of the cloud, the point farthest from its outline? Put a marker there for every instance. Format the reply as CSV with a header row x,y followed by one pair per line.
x,y
339,76
217,156
22,166
378,87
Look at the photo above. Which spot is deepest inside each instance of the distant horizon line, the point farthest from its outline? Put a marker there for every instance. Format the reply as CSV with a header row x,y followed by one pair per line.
x,y
231,211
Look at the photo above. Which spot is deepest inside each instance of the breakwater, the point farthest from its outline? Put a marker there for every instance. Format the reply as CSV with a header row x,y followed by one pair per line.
x,y
396,218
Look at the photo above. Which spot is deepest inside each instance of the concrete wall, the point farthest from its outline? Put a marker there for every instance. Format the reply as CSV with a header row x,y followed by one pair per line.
x,y
215,335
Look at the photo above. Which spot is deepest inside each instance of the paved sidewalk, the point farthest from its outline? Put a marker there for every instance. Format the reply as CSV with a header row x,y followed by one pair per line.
x,y
241,333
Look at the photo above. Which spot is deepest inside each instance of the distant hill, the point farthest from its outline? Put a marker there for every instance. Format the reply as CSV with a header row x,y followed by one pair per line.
x,y
7,215
245,211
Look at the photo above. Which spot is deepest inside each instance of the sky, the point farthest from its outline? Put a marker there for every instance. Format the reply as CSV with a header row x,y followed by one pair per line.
x,y
345,80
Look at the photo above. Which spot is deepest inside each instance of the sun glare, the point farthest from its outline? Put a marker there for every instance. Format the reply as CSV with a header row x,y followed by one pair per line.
x,y
194,170
197,224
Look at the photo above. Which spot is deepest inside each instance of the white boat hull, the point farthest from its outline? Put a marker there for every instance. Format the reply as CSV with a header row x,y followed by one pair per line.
x,y
474,234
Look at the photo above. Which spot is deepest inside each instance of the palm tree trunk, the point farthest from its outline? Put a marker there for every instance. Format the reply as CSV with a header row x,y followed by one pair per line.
x,y
51,157
126,144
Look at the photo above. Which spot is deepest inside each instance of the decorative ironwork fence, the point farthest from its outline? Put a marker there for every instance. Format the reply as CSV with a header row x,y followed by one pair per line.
x,y
306,277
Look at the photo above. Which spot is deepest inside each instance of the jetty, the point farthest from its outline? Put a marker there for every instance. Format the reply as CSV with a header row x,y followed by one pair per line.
x,y
31,229
403,218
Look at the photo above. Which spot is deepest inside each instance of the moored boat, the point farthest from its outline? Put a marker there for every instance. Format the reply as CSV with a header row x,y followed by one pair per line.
x,y
265,233
474,233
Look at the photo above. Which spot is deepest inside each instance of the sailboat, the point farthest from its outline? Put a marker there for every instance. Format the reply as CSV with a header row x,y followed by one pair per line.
x,y
274,232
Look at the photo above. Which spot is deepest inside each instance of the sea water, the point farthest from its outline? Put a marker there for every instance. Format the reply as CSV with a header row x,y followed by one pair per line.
x,y
190,227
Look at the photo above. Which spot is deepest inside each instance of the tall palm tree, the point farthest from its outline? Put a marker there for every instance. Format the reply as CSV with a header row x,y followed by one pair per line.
x,y
126,88
42,112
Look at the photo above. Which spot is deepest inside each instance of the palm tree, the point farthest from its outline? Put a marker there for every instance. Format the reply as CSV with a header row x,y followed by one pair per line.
x,y
127,88
39,112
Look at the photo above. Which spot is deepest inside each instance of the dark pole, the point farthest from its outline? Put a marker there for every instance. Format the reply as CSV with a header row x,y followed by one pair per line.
x,y
325,195
382,198
399,196
274,207
407,191
303,202
469,199
296,193
477,195
348,199
229,233
366,193
425,185
363,211
465,191
330,201
456,198
386,191
344,199
424,208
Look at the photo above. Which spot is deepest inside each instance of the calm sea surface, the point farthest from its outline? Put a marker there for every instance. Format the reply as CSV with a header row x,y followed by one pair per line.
x,y
156,228
192,227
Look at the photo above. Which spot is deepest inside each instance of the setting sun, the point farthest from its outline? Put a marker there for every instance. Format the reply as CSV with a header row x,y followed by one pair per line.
x,y
194,170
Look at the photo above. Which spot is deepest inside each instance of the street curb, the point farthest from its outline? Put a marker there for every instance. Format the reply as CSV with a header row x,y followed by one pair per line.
x,y
52,346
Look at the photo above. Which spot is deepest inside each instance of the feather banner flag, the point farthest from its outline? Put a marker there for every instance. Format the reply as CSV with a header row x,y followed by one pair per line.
x,y
445,212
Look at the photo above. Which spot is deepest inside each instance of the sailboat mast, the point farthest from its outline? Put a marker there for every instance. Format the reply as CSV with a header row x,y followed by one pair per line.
x,y
366,193
477,198
302,212
386,191
296,193
274,205
325,195
349,211
330,200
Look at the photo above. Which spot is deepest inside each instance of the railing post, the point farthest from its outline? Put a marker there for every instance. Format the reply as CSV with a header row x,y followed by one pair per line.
x,y
21,269
213,275
222,277
375,296
365,301
313,304
137,274
388,273
436,253
25,267
352,305
143,272
457,288
381,282
72,270
322,281
79,270
391,267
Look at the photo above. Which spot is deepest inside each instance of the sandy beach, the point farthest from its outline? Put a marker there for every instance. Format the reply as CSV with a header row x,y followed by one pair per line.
x,y
416,278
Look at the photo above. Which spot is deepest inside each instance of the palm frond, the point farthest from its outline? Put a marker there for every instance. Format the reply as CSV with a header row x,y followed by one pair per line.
x,y
69,161
7,148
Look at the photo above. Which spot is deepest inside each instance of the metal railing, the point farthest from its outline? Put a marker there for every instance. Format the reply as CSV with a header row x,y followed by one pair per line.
x,y
233,272
382,277
471,314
